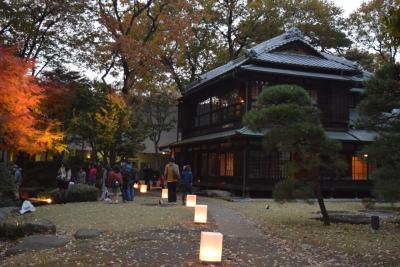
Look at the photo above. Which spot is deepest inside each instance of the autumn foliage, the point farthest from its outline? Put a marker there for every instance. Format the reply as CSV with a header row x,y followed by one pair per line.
x,y
22,125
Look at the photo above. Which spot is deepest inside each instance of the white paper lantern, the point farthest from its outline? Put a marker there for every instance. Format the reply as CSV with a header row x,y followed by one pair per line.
x,y
164,193
210,247
190,200
136,185
200,214
143,188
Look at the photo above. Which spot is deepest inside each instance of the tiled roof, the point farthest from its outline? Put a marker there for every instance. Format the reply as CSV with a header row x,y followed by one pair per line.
x,y
302,60
265,52
350,135
300,73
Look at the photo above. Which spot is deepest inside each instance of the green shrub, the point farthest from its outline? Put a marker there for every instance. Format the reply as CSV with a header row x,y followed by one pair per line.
x,y
82,193
387,189
289,190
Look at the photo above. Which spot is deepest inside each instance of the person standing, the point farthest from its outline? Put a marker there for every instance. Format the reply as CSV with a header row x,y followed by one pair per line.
x,y
17,179
186,182
104,185
63,179
147,174
171,174
81,176
92,176
128,174
115,183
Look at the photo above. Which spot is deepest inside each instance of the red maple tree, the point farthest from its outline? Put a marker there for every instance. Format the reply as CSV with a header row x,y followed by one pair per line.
x,y
22,125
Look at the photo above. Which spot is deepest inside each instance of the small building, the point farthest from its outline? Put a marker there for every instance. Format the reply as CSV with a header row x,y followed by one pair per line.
x,y
225,154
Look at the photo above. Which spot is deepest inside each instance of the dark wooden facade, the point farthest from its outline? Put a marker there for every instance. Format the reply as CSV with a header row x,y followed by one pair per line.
x,y
224,154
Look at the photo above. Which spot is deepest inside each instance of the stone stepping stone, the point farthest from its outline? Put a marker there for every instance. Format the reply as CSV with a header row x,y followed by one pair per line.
x,y
87,233
39,227
5,212
38,242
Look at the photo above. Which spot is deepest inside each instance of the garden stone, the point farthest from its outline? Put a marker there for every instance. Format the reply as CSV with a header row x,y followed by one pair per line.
x,y
38,242
40,227
218,193
5,212
349,218
87,233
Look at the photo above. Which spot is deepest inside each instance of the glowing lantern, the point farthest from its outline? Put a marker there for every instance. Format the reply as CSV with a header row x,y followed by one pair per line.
x,y
200,214
164,193
49,200
190,200
136,185
210,247
143,188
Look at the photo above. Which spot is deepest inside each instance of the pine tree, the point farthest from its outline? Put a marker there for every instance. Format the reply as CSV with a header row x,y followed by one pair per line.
x,y
292,125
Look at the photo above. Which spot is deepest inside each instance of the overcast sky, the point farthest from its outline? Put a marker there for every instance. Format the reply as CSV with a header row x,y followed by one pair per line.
x,y
349,5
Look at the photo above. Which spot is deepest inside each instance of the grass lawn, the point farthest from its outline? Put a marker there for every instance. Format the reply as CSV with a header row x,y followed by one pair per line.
x,y
130,232
292,221
141,214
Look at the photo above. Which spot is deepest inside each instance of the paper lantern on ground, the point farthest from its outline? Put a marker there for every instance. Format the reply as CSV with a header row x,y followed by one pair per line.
x,y
210,247
143,188
190,200
200,214
164,193
136,185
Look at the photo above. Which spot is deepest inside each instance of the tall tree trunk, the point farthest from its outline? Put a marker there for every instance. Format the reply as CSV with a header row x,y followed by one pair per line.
x,y
113,157
318,192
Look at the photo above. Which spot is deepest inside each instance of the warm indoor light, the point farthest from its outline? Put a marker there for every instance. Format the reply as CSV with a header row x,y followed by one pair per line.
x,y
210,247
136,185
164,193
200,214
365,155
190,200
143,188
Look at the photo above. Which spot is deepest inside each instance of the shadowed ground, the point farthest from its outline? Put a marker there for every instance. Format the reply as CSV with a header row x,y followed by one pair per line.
x,y
144,234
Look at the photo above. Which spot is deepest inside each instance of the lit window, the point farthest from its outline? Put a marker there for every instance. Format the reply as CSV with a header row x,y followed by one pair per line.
x,y
359,169
229,164
222,164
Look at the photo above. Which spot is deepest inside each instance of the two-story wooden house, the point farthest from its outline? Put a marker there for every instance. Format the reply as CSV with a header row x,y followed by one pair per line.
x,y
224,154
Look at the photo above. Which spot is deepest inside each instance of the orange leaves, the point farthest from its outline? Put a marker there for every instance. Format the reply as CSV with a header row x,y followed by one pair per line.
x,y
21,127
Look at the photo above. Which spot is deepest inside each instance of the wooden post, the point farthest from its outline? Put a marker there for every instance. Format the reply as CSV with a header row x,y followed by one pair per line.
x,y
244,170
375,222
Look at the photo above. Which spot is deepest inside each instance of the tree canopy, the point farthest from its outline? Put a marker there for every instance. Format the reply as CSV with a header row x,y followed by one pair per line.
x,y
292,125
379,112
22,124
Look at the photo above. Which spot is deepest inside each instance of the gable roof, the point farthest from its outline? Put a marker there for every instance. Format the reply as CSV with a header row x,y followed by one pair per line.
x,y
266,52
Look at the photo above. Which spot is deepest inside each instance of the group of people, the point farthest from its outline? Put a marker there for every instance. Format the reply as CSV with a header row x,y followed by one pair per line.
x,y
121,178
172,176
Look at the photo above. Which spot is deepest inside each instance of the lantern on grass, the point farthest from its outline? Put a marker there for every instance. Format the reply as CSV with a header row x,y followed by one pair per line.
x,y
143,188
164,193
190,200
200,214
136,185
210,247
